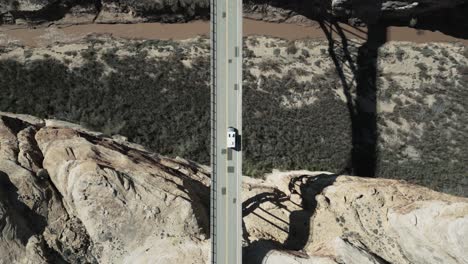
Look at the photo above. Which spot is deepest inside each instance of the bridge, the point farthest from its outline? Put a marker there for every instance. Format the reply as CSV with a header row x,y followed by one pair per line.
x,y
226,131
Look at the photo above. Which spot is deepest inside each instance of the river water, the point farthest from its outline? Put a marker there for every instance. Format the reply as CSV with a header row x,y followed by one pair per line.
x,y
42,35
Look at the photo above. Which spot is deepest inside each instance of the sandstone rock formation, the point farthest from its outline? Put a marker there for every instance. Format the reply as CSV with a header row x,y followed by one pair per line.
x,y
446,16
131,11
104,11
342,219
69,195
389,9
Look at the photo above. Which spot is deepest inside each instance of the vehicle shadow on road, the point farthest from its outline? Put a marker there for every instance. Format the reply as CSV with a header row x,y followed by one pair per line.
x,y
298,226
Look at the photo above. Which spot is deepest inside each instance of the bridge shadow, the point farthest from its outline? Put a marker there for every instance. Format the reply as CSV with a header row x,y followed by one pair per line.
x,y
356,66
354,52
355,60
298,226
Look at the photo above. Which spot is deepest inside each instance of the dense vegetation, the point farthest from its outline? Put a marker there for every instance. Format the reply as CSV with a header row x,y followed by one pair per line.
x,y
441,159
163,104
290,138
159,103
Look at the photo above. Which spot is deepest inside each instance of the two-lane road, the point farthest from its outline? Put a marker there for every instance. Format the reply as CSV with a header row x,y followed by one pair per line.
x,y
226,214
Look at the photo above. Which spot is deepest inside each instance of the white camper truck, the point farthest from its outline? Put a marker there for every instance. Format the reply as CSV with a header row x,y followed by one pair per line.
x,y
231,138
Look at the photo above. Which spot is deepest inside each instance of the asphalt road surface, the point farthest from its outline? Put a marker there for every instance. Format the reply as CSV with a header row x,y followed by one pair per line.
x,y
226,214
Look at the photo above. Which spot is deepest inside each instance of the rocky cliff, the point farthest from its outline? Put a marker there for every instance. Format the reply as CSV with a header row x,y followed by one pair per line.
x,y
103,11
69,195
299,11
304,217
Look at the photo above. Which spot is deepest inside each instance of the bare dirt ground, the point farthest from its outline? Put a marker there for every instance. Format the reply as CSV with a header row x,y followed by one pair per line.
x,y
44,35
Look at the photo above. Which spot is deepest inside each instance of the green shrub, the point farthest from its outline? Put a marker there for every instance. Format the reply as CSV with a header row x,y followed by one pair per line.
x,y
465,52
428,52
71,53
277,52
270,65
400,54
291,49
423,70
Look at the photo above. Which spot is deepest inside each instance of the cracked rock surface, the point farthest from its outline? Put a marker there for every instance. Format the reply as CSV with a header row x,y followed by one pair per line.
x,y
171,11
103,11
324,218
69,195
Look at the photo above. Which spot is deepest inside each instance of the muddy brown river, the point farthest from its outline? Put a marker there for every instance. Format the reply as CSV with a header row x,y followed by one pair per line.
x,y
45,35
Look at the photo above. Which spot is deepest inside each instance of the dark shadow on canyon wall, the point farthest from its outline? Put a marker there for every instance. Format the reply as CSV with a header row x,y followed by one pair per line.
x,y
25,221
19,221
451,21
52,12
298,226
